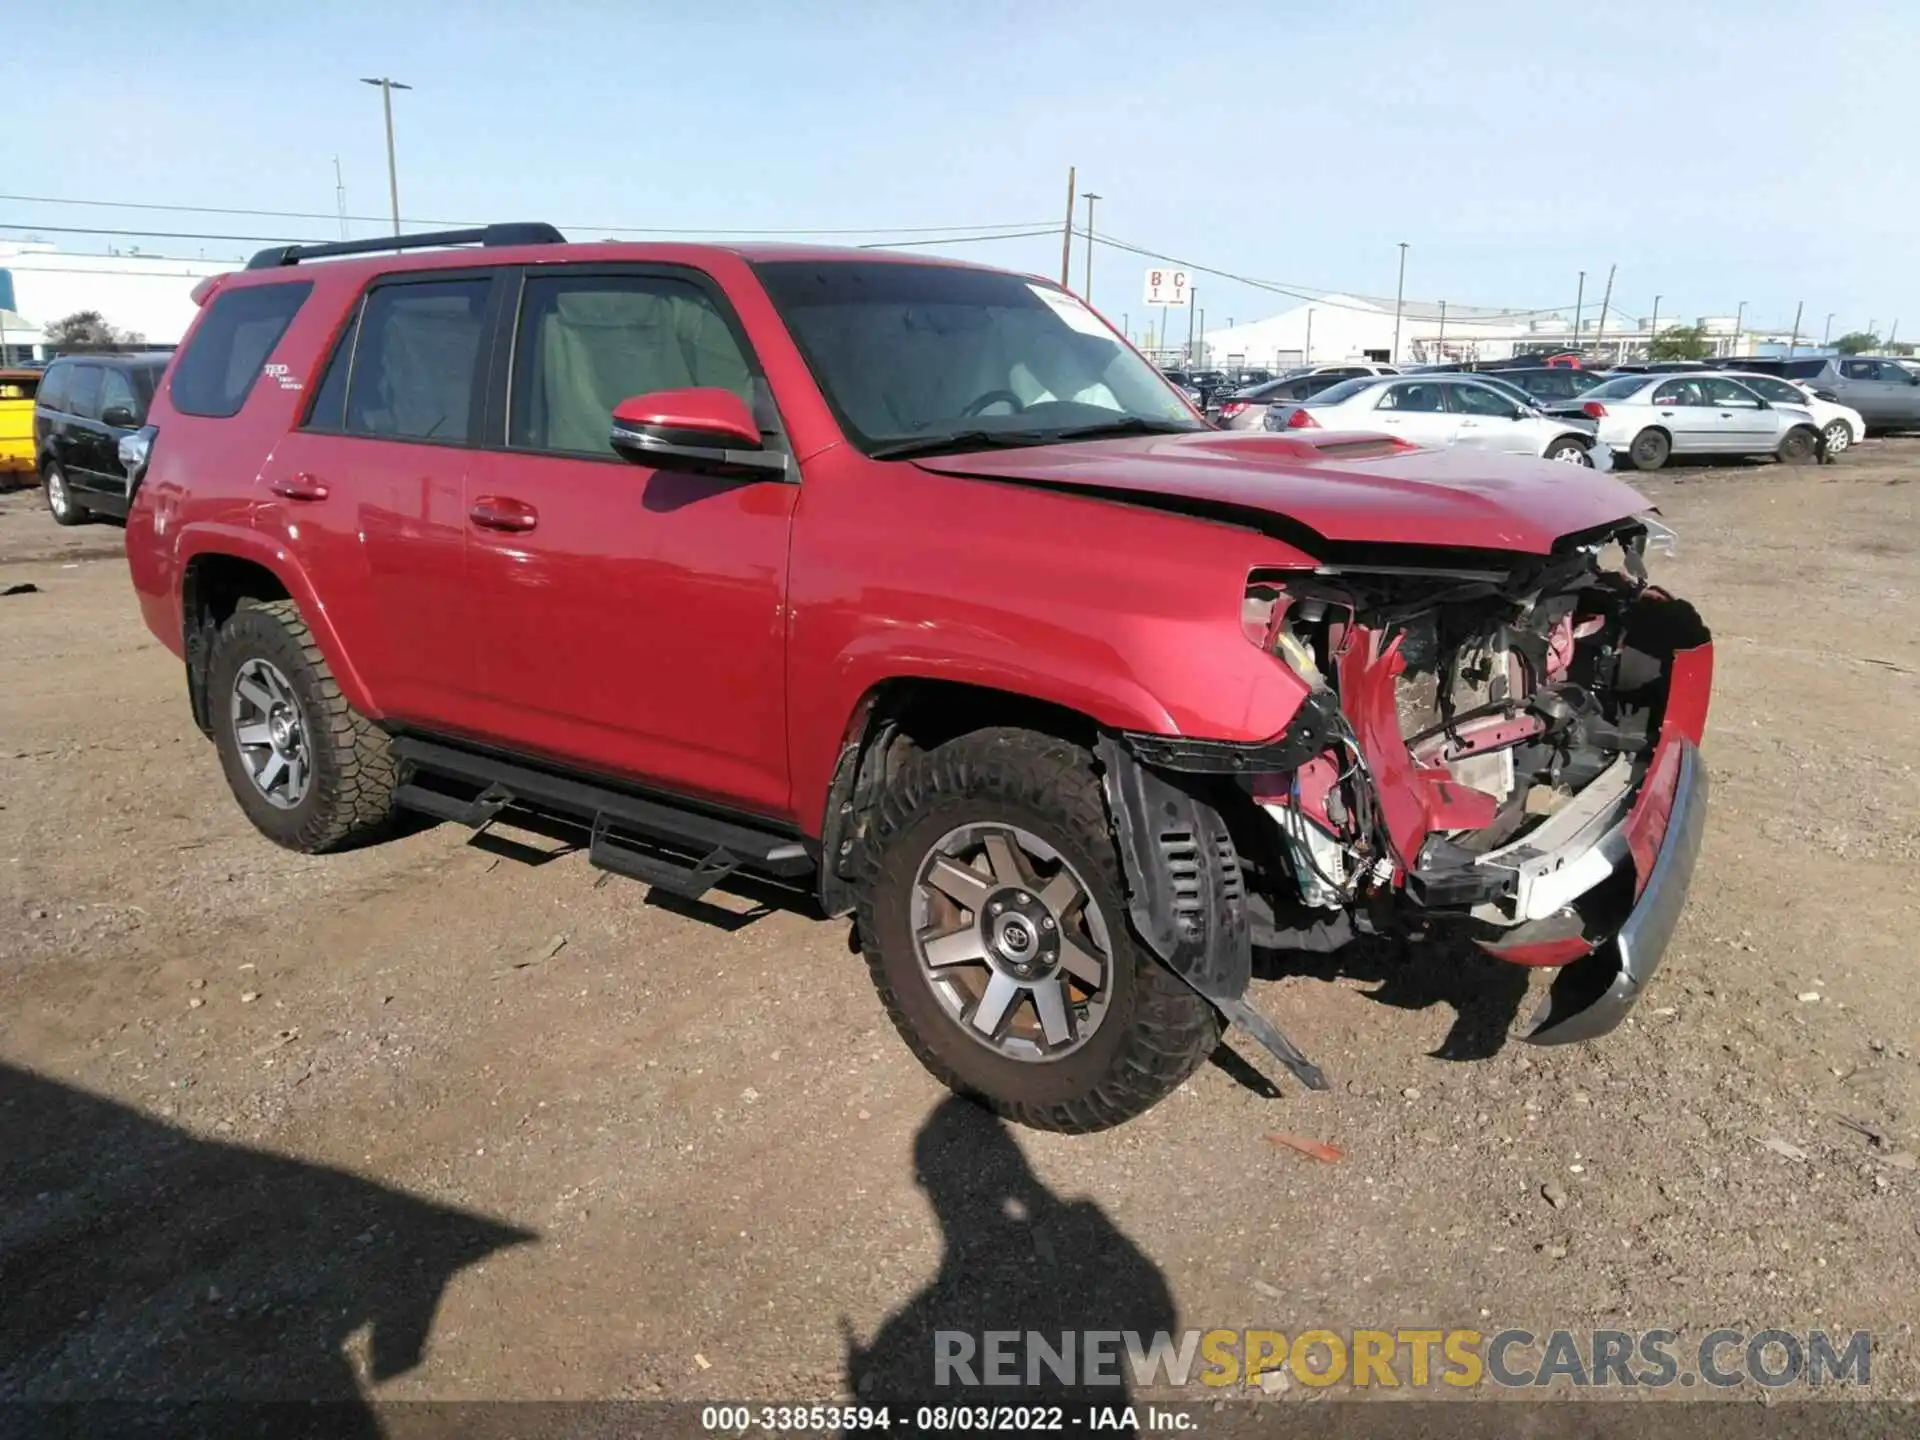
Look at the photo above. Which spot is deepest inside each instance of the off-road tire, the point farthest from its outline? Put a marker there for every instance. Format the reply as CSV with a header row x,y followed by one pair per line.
x,y
1650,450
349,798
1799,446
53,481
1156,1031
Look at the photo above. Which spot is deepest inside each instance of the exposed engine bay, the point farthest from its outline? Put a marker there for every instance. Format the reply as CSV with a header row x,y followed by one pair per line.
x,y
1489,731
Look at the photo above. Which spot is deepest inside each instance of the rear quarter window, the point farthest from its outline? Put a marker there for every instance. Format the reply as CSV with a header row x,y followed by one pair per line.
x,y
1802,369
216,373
53,387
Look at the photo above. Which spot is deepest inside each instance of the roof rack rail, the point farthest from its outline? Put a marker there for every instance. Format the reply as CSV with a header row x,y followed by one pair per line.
x,y
519,232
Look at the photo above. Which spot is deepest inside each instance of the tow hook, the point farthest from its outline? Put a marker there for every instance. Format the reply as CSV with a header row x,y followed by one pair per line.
x,y
1165,834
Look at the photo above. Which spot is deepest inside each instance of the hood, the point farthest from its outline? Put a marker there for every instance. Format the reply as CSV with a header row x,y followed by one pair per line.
x,y
1348,489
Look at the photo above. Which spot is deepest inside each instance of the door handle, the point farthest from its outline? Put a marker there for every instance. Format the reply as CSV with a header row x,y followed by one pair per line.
x,y
1469,424
299,486
1667,413
503,512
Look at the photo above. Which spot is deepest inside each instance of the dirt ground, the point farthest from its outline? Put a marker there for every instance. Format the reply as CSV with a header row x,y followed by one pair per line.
x,y
275,1125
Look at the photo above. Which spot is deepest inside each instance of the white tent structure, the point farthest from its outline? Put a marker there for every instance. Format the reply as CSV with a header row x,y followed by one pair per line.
x,y
1338,327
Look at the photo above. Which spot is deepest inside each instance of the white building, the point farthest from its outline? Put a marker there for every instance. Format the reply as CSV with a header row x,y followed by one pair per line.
x,y
1334,328
149,296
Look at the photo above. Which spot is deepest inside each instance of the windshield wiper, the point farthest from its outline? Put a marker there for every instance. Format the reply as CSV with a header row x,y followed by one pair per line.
x,y
959,440
1131,425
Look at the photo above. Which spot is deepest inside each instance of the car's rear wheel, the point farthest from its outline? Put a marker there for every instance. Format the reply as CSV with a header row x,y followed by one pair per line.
x,y
993,919
1798,447
1839,436
60,502
311,773
1569,451
1650,449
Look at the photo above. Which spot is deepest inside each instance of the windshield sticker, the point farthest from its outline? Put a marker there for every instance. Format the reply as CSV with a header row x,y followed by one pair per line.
x,y
1077,316
281,376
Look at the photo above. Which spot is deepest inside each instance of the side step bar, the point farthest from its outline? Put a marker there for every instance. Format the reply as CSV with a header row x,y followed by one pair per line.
x,y
623,826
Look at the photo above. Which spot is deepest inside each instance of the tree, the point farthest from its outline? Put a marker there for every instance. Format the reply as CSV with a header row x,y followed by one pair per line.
x,y
88,329
1680,342
1856,342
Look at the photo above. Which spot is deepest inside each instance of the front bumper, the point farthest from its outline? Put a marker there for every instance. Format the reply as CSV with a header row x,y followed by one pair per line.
x,y
1678,784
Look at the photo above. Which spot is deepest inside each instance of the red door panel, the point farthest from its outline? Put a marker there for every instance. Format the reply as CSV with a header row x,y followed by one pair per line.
x,y
632,621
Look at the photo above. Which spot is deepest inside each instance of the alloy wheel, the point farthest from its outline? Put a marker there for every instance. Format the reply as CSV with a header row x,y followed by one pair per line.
x,y
58,500
1012,942
272,734
1839,437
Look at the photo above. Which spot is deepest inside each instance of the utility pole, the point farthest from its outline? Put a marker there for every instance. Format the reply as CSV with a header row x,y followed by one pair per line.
x,y
1579,304
1826,335
1739,320
1193,300
1653,329
1606,299
387,87
1399,301
1794,343
1066,237
1307,359
1086,292
1893,334
1126,330
1440,341
340,196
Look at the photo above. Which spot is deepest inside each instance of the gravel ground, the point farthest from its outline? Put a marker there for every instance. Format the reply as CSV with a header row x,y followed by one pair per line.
x,y
421,1121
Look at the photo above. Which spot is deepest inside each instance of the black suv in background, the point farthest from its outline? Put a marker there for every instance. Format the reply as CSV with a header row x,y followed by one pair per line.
x,y
86,404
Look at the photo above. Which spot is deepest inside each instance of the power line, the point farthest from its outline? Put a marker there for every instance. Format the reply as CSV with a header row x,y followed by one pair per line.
x,y
956,239
466,224
155,234
1297,292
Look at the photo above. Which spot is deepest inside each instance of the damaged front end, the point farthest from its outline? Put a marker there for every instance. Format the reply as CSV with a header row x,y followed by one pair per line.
x,y
1502,748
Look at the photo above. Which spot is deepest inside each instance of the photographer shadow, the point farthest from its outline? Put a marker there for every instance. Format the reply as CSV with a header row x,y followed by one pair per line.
x,y
1015,1258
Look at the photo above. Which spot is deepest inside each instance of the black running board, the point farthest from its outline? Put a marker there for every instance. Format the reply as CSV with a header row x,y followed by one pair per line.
x,y
626,830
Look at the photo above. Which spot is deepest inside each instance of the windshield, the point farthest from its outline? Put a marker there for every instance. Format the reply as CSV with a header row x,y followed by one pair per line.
x,y
1619,388
913,356
1346,390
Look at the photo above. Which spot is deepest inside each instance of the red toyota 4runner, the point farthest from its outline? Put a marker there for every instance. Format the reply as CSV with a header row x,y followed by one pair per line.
x,y
909,584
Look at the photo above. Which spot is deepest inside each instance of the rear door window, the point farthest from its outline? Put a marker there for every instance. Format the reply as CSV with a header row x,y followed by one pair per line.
x,y
55,386
416,361
83,400
223,359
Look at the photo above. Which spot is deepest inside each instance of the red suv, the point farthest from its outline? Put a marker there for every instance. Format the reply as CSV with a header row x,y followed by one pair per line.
x,y
910,584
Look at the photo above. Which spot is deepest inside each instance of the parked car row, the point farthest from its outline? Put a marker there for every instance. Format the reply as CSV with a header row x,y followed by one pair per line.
x,y
1794,410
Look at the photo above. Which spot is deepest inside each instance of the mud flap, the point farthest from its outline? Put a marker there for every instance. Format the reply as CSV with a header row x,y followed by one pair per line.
x,y
1186,896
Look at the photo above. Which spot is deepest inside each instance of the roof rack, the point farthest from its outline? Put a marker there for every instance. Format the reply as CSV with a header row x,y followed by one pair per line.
x,y
520,232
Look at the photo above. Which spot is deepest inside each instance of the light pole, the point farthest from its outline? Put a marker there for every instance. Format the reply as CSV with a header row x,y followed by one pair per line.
x,y
387,87
1739,319
1399,301
1086,286
1579,304
1653,329
1307,357
1826,335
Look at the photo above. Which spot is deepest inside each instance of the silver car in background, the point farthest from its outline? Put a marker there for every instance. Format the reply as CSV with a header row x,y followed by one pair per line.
x,y
1445,410
1652,417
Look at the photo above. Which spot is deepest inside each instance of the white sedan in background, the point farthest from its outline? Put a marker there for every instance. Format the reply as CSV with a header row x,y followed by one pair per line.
x,y
1653,417
1444,410
1841,425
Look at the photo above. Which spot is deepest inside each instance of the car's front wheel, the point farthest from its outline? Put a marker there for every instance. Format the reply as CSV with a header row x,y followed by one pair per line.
x,y
1839,436
993,919
60,502
1569,451
310,771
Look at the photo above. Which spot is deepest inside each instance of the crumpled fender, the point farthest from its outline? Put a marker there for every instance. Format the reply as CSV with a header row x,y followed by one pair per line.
x,y
1186,896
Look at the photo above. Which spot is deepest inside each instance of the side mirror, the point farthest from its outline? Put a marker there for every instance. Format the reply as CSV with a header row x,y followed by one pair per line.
x,y
705,430
119,417
1826,395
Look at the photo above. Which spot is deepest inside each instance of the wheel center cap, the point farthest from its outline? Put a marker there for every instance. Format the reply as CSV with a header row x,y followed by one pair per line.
x,y
1022,935
283,729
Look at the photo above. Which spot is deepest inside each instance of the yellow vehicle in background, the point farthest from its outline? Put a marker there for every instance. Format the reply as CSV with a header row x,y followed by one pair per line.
x,y
17,389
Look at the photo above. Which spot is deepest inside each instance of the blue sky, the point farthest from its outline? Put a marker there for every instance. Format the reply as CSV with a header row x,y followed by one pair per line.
x,y
1716,151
